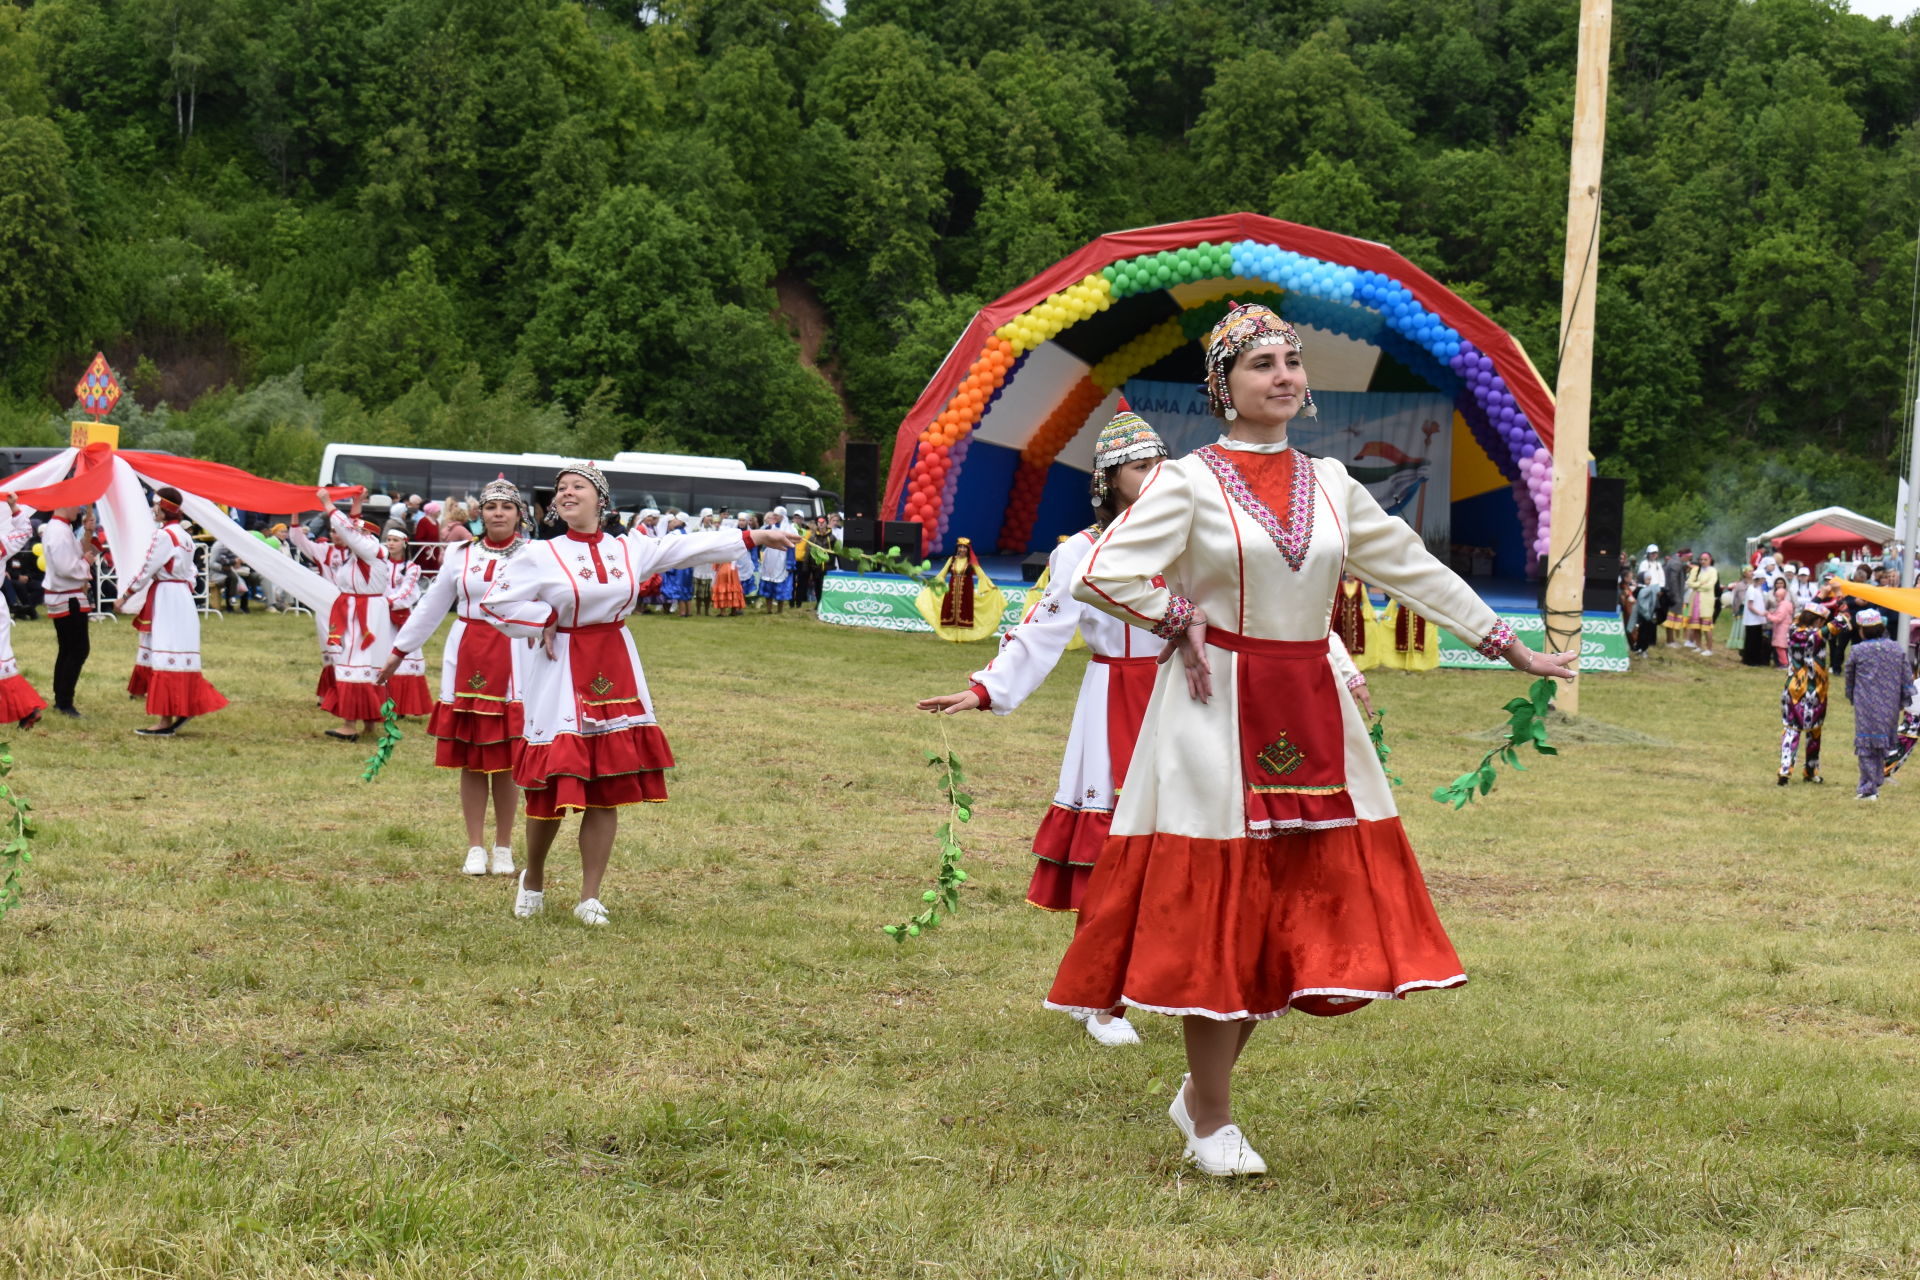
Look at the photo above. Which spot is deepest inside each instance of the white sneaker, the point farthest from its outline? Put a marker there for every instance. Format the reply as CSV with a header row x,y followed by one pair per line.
x,y
502,860
1114,1031
1689,645
528,902
476,864
590,911
1224,1153
1177,1110
1871,797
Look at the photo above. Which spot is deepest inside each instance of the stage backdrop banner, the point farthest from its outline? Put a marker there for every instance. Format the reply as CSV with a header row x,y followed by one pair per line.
x,y
1603,643
1397,443
886,603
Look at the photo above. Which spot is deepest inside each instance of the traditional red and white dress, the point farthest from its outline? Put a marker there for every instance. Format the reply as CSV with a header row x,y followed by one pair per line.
x,y
1256,862
19,700
169,628
590,739
359,627
408,684
477,718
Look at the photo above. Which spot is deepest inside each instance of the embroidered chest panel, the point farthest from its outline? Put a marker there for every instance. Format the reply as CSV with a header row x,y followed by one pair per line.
x,y
1292,529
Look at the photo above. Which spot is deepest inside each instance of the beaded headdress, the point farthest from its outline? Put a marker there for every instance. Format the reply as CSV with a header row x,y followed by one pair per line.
x,y
591,474
1246,325
1869,617
503,490
1127,438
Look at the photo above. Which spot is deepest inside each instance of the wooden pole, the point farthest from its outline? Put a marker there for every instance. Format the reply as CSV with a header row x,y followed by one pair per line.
x,y
1567,538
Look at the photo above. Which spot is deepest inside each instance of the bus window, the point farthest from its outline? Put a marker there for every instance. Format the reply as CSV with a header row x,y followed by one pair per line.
x,y
464,480
395,477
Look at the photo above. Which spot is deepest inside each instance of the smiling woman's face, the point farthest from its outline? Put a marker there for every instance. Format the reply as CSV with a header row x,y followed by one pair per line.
x,y
574,498
1268,384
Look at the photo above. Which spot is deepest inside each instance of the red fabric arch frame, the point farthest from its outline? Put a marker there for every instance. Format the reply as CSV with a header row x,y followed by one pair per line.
x,y
214,481
1508,360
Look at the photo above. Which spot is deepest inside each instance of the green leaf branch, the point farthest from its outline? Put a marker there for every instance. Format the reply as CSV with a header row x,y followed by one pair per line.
x,y
1377,734
1526,723
390,736
16,828
889,561
944,898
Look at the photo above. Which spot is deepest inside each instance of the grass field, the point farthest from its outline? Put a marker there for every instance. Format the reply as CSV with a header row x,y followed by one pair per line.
x,y
253,1023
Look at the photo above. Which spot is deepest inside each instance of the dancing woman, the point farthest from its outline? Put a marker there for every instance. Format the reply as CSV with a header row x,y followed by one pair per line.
x,y
590,741
20,702
170,643
1256,863
1803,700
407,686
359,627
476,719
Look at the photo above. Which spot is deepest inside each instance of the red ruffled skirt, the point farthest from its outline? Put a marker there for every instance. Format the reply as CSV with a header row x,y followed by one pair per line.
x,y
1320,921
727,592
477,728
354,699
137,682
411,696
593,771
19,699
182,693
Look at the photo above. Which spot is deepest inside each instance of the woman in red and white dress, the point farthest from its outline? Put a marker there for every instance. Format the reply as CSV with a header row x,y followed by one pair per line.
x,y
590,741
162,589
20,702
476,719
359,627
407,686
1256,862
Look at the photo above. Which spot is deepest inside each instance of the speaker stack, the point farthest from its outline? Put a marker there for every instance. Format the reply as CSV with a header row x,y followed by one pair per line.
x,y
862,497
1606,510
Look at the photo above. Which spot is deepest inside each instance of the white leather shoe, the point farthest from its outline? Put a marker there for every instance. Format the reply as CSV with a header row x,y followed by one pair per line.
x,y
502,860
528,902
476,862
1113,1032
1224,1153
590,911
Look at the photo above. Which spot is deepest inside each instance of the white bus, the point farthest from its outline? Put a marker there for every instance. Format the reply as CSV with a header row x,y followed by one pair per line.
x,y
638,480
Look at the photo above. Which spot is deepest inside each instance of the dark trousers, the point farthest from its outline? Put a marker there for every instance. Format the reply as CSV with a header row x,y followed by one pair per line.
x,y
74,642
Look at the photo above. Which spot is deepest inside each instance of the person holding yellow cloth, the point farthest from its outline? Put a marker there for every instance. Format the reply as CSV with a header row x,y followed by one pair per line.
x,y
969,606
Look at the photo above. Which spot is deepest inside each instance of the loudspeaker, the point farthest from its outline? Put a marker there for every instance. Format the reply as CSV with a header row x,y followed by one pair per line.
x,y
861,533
1033,566
904,534
1606,507
863,477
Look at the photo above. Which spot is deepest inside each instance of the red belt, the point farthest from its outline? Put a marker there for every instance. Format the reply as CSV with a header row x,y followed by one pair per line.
x,y
592,628
1104,660
1266,648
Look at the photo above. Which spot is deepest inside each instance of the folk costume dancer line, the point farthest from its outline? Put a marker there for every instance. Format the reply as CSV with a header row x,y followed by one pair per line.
x,y
359,628
590,740
1803,701
407,686
776,566
71,555
1879,684
476,720
162,590
1193,909
20,702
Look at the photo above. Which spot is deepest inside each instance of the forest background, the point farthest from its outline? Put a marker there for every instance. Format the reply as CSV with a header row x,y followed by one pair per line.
x,y
748,226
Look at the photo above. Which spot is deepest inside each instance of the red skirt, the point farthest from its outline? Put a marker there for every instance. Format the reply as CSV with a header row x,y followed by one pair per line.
x,y
324,684
137,682
354,700
1321,921
476,730
19,699
1068,843
410,695
727,592
182,693
593,771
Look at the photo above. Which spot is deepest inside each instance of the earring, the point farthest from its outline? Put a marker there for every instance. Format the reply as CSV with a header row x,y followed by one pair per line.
x,y
1311,409
1232,413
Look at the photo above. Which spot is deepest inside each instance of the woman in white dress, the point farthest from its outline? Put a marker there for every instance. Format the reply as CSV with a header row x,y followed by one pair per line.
x,y
590,741
1256,862
407,686
476,720
162,590
360,626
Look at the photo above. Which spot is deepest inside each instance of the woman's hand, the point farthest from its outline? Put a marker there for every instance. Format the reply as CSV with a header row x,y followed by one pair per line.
x,y
783,538
1192,648
950,703
1559,666
324,500
1359,691
545,639
386,672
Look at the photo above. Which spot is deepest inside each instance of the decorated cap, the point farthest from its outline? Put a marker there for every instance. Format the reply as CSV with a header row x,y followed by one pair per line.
x,y
1127,438
503,490
1869,618
1817,609
591,474
1246,325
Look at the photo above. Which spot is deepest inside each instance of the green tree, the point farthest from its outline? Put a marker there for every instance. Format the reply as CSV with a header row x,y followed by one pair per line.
x,y
404,334
37,235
